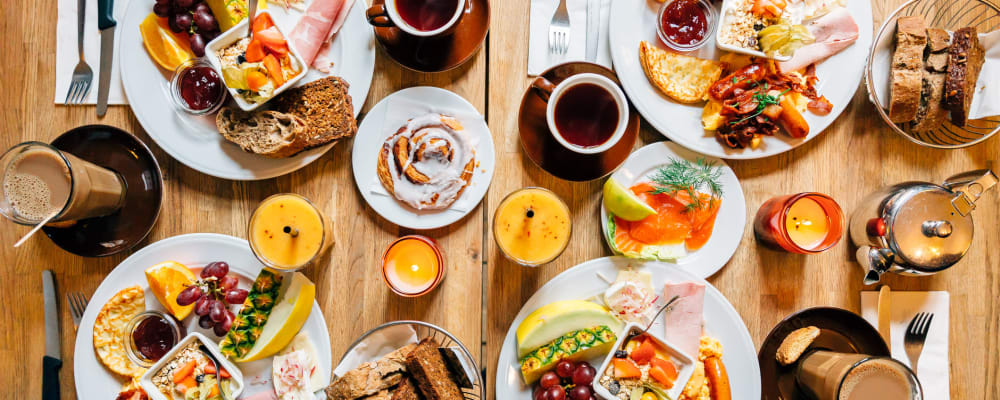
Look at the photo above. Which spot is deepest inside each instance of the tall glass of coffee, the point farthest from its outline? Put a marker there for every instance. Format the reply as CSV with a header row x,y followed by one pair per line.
x,y
40,181
827,375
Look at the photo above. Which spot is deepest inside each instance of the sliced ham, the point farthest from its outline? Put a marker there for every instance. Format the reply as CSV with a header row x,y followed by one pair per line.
x,y
834,32
322,19
684,322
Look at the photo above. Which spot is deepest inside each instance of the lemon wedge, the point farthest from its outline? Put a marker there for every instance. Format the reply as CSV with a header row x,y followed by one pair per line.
x,y
620,201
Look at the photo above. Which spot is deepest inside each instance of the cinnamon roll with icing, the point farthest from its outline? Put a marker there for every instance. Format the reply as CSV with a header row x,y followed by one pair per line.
x,y
428,162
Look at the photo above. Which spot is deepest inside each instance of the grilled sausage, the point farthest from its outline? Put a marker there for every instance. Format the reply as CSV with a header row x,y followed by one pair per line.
x,y
718,380
792,120
741,79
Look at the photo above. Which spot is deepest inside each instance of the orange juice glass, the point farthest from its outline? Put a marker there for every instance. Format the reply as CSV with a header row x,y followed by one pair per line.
x,y
413,265
532,226
287,232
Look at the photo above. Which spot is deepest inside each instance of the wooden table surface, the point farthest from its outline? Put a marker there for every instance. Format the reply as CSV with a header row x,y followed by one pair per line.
x,y
483,292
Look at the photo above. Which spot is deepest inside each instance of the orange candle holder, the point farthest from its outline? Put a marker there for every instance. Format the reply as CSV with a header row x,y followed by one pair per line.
x,y
803,223
413,266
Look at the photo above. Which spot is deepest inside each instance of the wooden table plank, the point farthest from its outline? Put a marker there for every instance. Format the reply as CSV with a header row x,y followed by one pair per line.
x,y
856,155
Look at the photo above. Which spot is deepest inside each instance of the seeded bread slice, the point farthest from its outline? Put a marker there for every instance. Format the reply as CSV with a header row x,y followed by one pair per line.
x,y
966,58
428,369
907,63
932,112
326,107
268,133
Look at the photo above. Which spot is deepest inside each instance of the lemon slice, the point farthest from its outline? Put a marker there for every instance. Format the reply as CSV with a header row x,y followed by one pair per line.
x,y
623,204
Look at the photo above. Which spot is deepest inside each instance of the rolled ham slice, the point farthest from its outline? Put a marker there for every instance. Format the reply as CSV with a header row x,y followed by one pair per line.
x,y
834,32
322,20
684,322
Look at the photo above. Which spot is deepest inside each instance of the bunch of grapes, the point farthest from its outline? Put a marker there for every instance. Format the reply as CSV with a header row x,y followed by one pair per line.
x,y
193,17
569,381
212,295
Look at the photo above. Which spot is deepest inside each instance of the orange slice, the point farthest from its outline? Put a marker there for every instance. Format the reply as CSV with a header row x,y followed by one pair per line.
x,y
168,49
166,280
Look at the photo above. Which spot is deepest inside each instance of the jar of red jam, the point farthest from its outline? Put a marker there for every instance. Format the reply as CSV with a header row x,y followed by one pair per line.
x,y
197,88
685,25
149,336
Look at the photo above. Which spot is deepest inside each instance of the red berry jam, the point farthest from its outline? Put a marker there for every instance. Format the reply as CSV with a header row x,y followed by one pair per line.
x,y
684,22
153,338
201,88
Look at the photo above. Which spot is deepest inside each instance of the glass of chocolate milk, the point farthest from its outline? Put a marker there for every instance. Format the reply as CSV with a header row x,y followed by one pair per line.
x,y
827,375
39,181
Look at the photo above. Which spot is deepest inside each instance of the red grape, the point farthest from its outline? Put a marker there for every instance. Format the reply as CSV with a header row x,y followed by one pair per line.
x,y
222,327
584,375
183,21
210,35
161,10
217,311
184,4
228,283
202,6
580,392
556,393
189,295
550,379
565,369
217,269
205,322
172,24
201,307
236,296
205,21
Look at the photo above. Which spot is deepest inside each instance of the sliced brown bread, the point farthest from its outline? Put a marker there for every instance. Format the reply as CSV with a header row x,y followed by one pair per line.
x,y
326,107
428,369
931,113
907,64
371,378
407,390
268,133
966,58
937,40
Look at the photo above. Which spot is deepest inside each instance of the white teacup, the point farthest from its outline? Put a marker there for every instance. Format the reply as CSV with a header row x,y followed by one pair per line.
x,y
386,15
552,93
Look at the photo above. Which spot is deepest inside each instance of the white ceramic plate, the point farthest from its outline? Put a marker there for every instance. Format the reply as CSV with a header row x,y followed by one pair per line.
x,y
633,21
375,129
581,282
194,140
94,381
729,224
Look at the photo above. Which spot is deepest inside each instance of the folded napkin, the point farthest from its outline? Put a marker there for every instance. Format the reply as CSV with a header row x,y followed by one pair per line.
x,y
541,14
376,346
66,50
932,369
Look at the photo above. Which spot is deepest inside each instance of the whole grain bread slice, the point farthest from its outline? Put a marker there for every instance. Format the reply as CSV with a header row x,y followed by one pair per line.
x,y
905,72
325,105
268,133
966,58
428,369
371,377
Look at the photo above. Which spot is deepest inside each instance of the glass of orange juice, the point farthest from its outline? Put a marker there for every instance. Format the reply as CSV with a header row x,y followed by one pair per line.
x,y
532,226
288,232
803,223
413,265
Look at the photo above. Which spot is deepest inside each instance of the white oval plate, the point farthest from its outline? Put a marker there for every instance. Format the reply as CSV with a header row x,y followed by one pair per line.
x,y
633,21
582,282
729,223
194,140
94,381
372,134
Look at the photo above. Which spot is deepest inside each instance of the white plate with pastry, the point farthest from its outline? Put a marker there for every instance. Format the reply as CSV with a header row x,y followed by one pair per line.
x,y
423,158
635,21
96,381
194,140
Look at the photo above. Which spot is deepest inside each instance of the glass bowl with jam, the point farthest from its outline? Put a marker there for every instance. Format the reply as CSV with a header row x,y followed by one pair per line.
x,y
196,88
686,25
149,336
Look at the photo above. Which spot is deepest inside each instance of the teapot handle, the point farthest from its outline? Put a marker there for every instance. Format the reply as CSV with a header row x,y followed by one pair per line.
x,y
970,186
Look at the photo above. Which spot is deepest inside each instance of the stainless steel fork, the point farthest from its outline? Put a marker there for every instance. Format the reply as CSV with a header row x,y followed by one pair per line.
x,y
559,31
79,87
916,334
77,305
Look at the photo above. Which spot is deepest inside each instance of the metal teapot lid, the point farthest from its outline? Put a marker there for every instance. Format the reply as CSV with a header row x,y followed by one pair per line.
x,y
929,227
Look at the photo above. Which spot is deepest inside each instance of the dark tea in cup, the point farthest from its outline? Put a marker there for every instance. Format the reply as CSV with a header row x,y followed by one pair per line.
x,y
586,115
427,15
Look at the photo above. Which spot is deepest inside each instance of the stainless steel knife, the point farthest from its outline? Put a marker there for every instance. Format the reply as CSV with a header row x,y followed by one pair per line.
x,y
593,28
53,352
106,23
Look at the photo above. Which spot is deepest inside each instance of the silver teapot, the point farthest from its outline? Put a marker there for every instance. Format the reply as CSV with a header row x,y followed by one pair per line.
x,y
917,228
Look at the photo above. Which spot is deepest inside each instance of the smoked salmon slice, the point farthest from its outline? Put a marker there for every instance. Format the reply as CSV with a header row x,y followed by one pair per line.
x,y
675,221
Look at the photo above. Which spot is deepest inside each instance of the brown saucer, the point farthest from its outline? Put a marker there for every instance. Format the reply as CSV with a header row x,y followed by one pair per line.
x,y
547,153
125,154
840,331
442,53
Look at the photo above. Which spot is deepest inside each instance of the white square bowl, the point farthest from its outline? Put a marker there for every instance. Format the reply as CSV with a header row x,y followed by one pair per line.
x,y
724,18
233,35
154,393
684,363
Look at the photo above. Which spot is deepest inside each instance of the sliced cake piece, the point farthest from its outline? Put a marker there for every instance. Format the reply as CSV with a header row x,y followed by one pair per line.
x,y
966,60
326,107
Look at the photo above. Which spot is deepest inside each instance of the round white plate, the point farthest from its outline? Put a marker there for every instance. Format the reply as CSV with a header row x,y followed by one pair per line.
x,y
94,381
729,223
633,21
194,140
582,282
375,129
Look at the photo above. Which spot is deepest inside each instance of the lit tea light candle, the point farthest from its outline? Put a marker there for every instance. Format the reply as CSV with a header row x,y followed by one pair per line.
x,y
413,266
287,232
803,223
532,226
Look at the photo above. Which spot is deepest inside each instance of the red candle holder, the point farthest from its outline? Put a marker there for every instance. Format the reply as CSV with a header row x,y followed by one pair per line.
x,y
772,221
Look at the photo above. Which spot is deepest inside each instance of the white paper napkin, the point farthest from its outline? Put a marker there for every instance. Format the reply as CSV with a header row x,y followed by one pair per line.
x,y
67,56
985,101
376,346
541,13
399,111
932,369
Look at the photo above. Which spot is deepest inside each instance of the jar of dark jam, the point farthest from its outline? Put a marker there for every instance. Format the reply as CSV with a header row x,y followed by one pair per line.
x,y
149,336
685,25
197,88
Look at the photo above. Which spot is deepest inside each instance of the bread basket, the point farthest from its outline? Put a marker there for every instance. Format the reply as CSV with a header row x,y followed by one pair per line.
x,y
944,14
425,330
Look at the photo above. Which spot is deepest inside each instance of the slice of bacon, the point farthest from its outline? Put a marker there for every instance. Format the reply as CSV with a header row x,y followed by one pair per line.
x,y
314,28
820,106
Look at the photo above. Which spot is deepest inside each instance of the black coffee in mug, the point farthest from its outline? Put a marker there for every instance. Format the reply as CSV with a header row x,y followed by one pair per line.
x,y
586,115
426,15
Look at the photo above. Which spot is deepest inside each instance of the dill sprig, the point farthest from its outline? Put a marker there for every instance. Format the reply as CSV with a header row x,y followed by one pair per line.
x,y
683,175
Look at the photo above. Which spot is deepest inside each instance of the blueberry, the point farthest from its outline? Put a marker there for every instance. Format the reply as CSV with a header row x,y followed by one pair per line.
x,y
199,378
614,388
621,354
240,59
